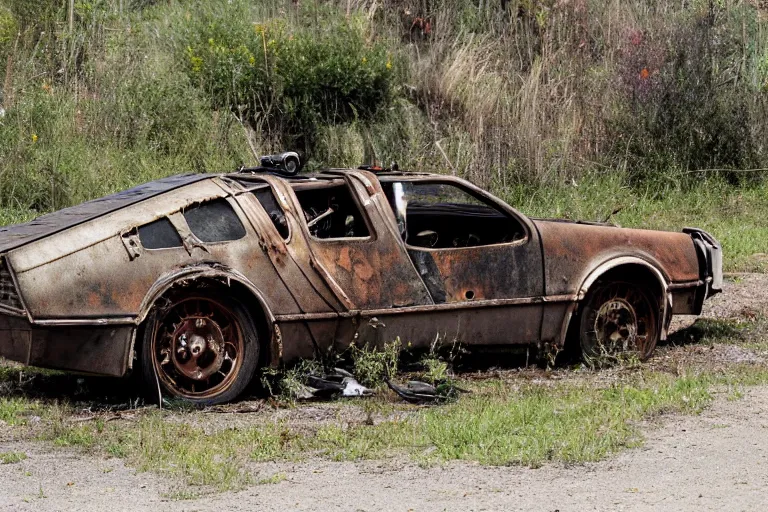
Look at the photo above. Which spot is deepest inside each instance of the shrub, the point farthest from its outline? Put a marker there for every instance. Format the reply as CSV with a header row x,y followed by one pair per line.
x,y
289,79
373,365
686,98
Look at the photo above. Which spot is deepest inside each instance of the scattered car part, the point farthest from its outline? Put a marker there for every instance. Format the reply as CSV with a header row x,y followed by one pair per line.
x,y
340,382
417,392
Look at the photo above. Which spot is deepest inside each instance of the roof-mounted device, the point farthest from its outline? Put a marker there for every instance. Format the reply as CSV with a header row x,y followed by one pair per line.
x,y
285,164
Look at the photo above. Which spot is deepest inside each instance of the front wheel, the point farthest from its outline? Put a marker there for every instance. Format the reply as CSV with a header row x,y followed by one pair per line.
x,y
199,347
618,318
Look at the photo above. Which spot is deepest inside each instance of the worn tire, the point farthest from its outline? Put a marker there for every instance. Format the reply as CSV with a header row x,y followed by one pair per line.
x,y
618,318
225,329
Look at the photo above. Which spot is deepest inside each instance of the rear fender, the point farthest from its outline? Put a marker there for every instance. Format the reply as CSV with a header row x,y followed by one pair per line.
x,y
600,270
224,275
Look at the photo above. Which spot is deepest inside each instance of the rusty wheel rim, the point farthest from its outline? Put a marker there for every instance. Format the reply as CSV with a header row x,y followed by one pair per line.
x,y
198,347
624,320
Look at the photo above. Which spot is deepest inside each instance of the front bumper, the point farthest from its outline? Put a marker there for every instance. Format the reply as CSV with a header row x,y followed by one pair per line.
x,y
710,255
95,349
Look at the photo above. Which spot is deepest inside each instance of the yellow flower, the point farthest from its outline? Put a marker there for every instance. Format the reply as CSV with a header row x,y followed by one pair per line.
x,y
34,138
365,60
389,64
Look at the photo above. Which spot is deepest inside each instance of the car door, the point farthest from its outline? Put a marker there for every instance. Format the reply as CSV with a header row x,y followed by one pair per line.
x,y
346,229
480,259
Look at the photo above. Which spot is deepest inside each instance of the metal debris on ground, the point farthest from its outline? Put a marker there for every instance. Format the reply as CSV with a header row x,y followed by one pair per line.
x,y
340,382
417,392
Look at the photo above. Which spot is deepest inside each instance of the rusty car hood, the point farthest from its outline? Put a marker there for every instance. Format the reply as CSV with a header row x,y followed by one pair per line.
x,y
17,235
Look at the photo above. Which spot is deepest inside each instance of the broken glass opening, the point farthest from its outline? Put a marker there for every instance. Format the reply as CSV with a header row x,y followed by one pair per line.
x,y
442,215
331,212
214,221
269,203
159,234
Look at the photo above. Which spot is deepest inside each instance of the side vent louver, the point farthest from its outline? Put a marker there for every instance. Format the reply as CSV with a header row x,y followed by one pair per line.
x,y
9,296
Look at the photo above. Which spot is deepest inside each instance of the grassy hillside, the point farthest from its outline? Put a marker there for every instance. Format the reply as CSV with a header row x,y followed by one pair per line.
x,y
565,107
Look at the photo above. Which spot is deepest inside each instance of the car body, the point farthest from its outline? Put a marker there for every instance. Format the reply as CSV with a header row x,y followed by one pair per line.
x,y
303,266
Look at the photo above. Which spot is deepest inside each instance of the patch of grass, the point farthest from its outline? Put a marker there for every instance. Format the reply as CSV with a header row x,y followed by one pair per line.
x,y
372,365
81,436
711,330
389,438
274,479
530,426
497,424
12,457
15,410
748,334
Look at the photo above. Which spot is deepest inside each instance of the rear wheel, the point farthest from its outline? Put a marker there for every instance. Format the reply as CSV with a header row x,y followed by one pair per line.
x,y
202,348
618,319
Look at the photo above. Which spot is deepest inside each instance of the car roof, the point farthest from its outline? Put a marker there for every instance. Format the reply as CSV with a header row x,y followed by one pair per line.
x,y
51,223
17,235
328,174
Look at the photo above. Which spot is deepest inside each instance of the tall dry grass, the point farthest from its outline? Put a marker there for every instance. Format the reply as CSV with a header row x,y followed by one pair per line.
x,y
539,93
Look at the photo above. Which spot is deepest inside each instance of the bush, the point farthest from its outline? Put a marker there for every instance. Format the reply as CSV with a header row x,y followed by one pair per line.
x,y
687,103
289,80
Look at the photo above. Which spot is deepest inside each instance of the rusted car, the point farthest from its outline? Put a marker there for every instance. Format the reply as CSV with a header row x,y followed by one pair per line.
x,y
199,280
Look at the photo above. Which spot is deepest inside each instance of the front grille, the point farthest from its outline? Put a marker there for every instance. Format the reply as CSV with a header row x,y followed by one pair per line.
x,y
8,294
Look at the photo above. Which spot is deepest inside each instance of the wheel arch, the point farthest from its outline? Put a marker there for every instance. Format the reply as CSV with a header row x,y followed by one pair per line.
x,y
636,268
236,284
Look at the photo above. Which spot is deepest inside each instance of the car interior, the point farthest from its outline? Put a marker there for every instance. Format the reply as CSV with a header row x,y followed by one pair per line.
x,y
442,215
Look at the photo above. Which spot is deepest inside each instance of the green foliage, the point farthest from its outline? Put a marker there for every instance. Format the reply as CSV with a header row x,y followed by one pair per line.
x,y
687,100
39,13
289,384
12,457
573,424
734,215
289,79
372,365
126,116
8,30
435,370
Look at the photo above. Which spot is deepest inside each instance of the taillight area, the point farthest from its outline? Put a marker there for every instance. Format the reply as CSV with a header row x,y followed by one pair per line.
x,y
9,296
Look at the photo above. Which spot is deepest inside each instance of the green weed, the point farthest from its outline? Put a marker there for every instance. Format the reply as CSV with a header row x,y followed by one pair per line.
x,y
372,365
274,479
12,457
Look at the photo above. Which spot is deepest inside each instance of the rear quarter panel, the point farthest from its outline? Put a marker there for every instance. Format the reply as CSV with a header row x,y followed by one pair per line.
x,y
86,271
572,251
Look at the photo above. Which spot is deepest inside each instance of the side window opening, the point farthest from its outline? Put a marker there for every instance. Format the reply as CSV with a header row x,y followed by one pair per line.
x,y
442,215
331,212
214,221
269,203
159,234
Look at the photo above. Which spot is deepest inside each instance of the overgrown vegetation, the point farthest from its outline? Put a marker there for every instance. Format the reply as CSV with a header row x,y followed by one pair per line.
x,y
647,101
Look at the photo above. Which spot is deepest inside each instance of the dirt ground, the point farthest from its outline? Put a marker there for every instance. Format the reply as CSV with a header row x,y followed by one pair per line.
x,y
717,460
